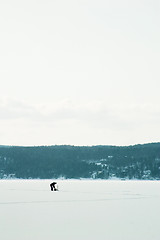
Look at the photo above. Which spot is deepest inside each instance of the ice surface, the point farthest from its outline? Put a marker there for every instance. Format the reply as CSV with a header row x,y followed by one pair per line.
x,y
81,210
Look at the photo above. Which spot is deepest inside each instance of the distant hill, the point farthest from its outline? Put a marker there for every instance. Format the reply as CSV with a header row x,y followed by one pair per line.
x,y
104,162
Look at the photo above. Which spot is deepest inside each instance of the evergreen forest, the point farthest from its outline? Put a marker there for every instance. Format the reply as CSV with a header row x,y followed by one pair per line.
x,y
96,162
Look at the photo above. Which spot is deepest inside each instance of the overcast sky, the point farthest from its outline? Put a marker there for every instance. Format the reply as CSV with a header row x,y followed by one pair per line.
x,y
80,72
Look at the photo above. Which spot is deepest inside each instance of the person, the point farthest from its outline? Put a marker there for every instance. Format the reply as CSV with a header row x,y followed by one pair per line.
x,y
53,186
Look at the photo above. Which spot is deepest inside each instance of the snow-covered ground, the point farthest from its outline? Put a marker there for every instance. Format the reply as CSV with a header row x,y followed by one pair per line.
x,y
80,210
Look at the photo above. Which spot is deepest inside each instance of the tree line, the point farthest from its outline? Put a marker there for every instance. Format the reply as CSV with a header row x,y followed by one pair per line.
x,y
46,162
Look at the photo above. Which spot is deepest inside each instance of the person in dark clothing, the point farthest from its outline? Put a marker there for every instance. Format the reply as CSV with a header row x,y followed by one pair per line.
x,y
53,186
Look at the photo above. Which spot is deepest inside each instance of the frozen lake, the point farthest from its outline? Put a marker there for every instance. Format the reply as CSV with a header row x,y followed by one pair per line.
x,y
80,210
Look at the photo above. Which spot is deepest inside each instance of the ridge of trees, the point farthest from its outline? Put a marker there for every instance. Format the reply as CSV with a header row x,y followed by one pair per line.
x,y
140,161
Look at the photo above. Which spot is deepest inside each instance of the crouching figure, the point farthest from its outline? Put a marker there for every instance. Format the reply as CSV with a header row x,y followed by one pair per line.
x,y
53,186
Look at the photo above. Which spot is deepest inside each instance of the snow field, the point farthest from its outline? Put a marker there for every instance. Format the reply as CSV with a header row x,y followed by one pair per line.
x,y
80,210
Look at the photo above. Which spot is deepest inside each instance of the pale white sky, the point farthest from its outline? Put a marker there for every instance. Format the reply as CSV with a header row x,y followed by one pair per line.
x,y
82,72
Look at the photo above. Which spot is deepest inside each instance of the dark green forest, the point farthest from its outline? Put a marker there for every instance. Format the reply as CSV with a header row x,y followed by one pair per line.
x,y
104,162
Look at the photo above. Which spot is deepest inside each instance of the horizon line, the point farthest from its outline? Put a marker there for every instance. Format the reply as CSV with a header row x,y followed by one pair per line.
x,y
71,145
